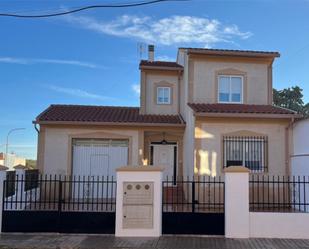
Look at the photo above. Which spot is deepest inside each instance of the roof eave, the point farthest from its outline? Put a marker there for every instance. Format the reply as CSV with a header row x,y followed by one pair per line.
x,y
234,53
107,123
248,115
161,68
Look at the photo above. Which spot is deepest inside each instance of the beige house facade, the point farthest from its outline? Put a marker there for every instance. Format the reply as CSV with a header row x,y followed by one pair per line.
x,y
208,110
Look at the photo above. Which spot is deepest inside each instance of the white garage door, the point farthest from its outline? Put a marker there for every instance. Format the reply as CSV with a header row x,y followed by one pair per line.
x,y
99,157
93,159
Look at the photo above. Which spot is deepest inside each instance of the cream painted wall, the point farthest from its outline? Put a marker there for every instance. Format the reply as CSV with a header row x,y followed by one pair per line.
x,y
151,103
184,88
189,145
57,146
209,136
204,87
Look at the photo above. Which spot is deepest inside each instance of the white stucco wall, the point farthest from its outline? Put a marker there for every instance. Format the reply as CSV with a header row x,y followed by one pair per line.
x,y
300,137
300,156
204,87
240,223
236,204
279,225
209,137
57,147
155,177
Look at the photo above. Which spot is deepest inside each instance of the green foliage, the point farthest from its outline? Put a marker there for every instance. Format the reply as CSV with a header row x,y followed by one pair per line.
x,y
291,98
30,164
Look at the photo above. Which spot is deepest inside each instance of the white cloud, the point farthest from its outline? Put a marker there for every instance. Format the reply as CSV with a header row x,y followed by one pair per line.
x,y
76,92
166,31
136,89
29,61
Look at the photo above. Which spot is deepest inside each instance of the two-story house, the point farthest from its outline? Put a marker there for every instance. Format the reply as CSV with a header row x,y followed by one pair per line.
x,y
208,110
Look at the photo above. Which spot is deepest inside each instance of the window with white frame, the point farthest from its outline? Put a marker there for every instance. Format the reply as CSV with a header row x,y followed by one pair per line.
x,y
230,89
163,95
250,152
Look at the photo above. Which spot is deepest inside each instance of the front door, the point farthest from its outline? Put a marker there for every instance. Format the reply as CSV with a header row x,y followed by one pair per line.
x,y
165,155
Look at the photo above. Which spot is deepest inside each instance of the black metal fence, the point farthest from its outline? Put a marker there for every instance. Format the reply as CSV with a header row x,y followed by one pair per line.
x,y
31,179
279,193
10,184
193,205
196,194
248,151
62,193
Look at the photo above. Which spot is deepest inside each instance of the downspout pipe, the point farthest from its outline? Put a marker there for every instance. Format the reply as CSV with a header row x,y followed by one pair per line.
x,y
36,128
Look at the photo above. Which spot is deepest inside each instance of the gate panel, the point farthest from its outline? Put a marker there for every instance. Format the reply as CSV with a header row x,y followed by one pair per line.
x,y
30,221
50,204
87,222
193,223
193,206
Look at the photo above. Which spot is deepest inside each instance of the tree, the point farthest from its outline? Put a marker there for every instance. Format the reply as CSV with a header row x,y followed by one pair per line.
x,y
291,98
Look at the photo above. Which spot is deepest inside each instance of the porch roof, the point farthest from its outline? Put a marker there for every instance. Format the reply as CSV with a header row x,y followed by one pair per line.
x,y
110,115
241,109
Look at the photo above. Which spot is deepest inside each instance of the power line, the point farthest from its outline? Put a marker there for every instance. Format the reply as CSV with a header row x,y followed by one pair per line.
x,y
87,8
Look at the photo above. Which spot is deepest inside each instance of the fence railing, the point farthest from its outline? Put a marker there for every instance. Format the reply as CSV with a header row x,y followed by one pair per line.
x,y
31,179
10,184
61,193
196,194
279,193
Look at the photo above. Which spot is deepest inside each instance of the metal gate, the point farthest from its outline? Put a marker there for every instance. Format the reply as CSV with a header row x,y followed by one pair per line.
x,y
193,206
59,204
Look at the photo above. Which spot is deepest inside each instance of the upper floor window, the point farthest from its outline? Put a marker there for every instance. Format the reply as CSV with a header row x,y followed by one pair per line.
x,y
163,95
230,89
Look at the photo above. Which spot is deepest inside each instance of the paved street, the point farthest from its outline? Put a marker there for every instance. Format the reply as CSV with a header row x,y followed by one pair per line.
x,y
53,241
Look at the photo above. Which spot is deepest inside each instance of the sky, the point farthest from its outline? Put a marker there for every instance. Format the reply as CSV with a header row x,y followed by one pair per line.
x,y
92,57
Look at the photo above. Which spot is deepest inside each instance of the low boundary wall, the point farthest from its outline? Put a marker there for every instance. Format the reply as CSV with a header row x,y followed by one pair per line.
x,y
279,225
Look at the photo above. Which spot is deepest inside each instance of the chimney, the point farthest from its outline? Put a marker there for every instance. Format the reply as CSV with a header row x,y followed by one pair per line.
x,y
150,52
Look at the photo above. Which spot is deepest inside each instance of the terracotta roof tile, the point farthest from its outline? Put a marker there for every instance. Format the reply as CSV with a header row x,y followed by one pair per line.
x,y
160,64
238,108
103,114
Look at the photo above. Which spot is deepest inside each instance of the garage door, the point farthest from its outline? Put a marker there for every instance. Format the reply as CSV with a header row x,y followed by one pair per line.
x,y
98,157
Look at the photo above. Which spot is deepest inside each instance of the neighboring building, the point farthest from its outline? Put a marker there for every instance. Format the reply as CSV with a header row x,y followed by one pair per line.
x,y
300,154
208,110
10,160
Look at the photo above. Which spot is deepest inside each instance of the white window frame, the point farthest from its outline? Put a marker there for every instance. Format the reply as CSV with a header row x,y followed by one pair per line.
x,y
169,95
230,89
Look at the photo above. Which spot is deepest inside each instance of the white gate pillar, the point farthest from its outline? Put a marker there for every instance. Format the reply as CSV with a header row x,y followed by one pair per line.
x,y
3,170
237,223
139,201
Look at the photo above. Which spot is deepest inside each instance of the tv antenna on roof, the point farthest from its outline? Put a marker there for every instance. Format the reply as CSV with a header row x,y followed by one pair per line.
x,y
141,49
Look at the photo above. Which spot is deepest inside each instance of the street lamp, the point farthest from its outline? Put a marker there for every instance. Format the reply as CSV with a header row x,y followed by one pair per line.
x,y
7,143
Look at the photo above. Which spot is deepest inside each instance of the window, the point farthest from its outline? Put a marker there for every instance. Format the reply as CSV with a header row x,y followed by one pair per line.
x,y
250,152
230,89
163,95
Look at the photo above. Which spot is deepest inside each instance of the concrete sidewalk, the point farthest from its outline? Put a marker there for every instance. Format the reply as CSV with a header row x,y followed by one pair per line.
x,y
54,241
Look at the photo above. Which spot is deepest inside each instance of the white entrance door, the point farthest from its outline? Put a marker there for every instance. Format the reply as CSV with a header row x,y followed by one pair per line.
x,y
96,158
163,155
